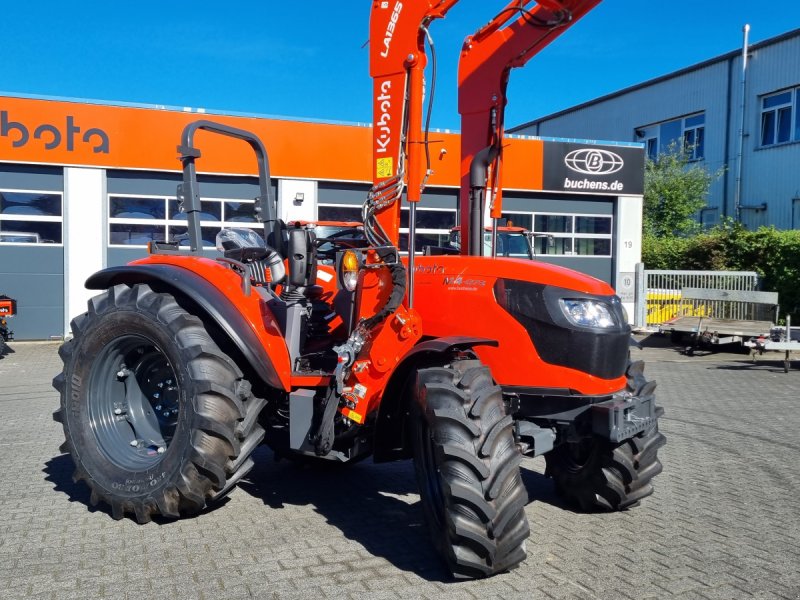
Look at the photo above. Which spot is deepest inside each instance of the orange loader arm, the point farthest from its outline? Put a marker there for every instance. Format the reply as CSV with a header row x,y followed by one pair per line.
x,y
519,31
397,66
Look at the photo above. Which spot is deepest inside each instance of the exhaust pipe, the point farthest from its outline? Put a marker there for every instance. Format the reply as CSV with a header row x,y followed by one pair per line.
x,y
477,191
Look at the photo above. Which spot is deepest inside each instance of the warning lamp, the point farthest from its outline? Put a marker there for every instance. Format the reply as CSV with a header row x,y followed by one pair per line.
x,y
348,270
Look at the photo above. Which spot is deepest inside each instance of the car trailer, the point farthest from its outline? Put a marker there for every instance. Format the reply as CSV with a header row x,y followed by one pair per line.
x,y
703,328
781,339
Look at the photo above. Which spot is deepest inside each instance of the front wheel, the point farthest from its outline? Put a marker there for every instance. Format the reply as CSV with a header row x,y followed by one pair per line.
x,y
156,418
467,467
595,474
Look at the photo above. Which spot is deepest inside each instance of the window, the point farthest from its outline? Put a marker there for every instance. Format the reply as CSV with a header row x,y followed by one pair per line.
x,y
660,137
651,147
137,220
433,227
778,116
694,136
331,212
30,217
567,234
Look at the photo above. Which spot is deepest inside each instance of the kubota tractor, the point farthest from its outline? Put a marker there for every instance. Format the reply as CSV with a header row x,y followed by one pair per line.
x,y
184,364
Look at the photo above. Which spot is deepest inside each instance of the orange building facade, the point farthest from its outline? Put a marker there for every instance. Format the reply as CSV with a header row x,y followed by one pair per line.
x,y
86,185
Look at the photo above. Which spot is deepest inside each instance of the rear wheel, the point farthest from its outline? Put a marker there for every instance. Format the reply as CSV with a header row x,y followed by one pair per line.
x,y
467,467
156,418
594,474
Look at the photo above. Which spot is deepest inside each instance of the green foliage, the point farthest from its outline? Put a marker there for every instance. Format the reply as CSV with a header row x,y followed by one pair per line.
x,y
675,189
773,254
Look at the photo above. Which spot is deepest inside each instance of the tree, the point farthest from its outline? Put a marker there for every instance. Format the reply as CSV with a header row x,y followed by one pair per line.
x,y
675,189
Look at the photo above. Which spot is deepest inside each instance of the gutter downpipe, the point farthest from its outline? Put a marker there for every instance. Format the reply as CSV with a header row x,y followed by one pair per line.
x,y
737,198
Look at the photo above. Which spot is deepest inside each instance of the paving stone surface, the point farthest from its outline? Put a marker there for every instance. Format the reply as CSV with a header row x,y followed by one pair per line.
x,y
724,521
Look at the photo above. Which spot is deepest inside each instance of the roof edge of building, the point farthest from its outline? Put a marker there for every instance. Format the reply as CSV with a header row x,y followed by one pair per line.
x,y
695,67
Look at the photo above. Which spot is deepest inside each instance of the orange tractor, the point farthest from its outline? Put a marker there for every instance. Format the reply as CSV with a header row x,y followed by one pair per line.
x,y
184,364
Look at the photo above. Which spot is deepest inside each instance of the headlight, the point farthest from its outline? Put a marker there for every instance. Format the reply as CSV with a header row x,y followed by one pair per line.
x,y
588,313
349,270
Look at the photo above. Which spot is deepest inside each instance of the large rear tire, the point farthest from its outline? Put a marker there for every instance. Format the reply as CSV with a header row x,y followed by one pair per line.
x,y
157,419
594,474
467,467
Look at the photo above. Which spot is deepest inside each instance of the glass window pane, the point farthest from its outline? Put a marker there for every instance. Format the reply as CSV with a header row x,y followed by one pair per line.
x,y
30,232
339,213
553,224
784,124
135,235
240,212
509,244
423,239
30,203
552,245
430,219
670,134
519,220
699,147
181,234
592,224
768,128
136,208
688,142
593,247
210,210
777,99
652,148
797,116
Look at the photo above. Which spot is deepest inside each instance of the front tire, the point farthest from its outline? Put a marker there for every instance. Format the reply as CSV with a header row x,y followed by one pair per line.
x,y
156,418
594,474
467,467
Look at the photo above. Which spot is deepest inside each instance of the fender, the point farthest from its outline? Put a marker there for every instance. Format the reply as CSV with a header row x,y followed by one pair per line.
x,y
390,437
274,370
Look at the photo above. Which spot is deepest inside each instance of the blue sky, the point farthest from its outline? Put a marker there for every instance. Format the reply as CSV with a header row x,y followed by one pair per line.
x,y
308,59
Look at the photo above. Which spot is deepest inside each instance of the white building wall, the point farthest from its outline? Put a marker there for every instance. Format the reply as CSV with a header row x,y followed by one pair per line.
x,y
769,174
627,248
85,227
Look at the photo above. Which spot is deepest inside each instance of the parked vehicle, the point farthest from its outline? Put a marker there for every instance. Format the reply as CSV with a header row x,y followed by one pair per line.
x,y
182,365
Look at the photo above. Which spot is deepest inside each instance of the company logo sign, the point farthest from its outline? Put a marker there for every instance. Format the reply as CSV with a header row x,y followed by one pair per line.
x,y
594,161
52,136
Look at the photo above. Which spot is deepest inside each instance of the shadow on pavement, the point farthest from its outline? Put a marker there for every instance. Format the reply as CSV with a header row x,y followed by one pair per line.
x,y
58,471
771,365
374,505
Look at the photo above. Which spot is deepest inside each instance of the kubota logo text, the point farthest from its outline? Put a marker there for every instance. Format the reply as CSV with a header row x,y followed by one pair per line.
x,y
52,136
383,133
387,37
593,161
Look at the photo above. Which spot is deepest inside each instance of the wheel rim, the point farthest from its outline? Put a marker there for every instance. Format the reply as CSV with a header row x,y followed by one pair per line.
x,y
133,402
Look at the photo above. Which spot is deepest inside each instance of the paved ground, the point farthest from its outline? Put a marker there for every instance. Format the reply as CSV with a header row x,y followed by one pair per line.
x,y
724,521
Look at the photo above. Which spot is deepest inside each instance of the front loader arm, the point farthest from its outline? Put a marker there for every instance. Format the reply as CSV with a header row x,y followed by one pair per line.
x,y
514,36
397,65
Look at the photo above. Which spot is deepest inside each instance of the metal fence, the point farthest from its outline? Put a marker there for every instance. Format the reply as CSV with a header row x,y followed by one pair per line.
x,y
659,298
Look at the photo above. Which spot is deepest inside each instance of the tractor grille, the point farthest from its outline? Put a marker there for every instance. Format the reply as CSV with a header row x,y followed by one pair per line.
x,y
601,352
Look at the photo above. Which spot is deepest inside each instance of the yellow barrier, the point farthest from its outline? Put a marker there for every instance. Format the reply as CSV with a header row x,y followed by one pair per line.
x,y
664,305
